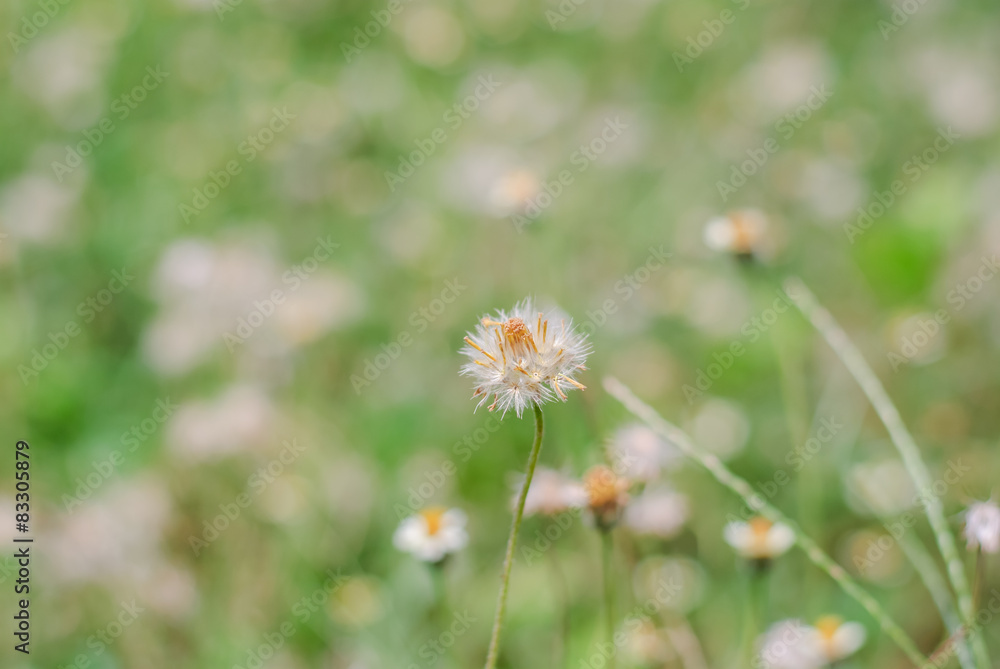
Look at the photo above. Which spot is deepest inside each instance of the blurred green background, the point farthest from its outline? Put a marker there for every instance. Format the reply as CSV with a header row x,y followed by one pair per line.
x,y
215,215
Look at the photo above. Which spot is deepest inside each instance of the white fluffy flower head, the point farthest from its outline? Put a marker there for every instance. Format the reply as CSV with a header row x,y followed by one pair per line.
x,y
982,526
524,357
432,534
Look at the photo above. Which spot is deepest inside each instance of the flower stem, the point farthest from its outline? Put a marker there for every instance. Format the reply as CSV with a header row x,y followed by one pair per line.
x,y
536,447
607,549
755,501
561,588
835,336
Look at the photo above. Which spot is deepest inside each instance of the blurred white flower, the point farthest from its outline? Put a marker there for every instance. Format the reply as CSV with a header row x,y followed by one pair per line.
x,y
836,639
552,492
241,418
432,534
790,644
982,526
759,539
658,511
742,233
36,208
234,294
113,535
519,360
641,454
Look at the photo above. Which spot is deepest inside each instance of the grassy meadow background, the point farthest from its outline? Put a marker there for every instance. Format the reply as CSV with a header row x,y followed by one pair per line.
x,y
248,291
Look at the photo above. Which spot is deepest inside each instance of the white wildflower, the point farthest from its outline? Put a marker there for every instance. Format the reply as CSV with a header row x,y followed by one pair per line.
x,y
759,539
432,534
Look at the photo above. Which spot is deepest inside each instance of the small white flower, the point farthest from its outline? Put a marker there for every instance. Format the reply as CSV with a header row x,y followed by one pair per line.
x,y
642,454
836,639
551,493
432,534
738,232
524,357
760,539
657,511
982,526
790,644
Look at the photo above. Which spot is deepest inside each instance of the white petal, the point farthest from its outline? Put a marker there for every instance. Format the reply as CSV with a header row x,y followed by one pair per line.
x,y
848,638
737,535
410,535
779,539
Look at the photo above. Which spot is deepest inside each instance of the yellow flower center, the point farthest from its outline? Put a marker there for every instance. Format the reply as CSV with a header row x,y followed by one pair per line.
x,y
434,518
828,626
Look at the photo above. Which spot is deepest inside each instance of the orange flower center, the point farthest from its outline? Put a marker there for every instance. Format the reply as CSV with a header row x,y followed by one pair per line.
x,y
760,526
517,333
434,518
602,486
828,626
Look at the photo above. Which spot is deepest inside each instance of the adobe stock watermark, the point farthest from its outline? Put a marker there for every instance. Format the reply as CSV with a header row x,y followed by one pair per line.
x,y
102,640
223,7
33,24
88,310
625,289
304,609
667,591
895,530
363,35
928,328
901,13
914,168
256,484
130,441
420,320
752,329
784,128
249,149
451,121
797,459
434,480
713,29
581,159
291,280
121,108
984,616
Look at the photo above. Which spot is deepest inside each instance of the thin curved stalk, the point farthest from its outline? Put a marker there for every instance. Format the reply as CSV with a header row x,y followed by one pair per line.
x,y
607,549
755,501
508,562
838,340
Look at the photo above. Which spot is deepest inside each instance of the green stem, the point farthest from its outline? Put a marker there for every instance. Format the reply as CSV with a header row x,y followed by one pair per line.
x,y
607,550
922,561
838,340
755,501
515,526
561,588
